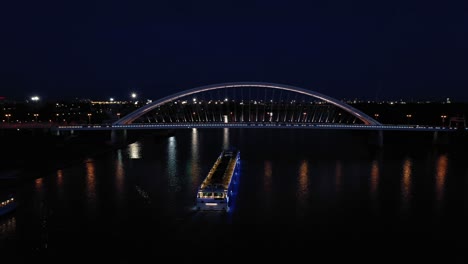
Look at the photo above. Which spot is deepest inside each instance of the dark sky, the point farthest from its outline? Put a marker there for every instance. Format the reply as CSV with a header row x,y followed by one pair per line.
x,y
345,49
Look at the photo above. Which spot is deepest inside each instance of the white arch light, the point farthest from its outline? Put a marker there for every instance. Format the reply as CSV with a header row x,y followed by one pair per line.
x,y
128,119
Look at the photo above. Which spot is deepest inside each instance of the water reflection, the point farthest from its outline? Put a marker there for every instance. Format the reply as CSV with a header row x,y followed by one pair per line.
x,y
172,163
441,174
38,185
374,179
119,174
225,138
406,183
303,182
59,178
267,184
195,168
338,176
42,211
90,182
374,184
134,150
8,227
60,184
267,181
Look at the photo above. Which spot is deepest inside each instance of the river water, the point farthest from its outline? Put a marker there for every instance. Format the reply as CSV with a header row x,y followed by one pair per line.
x,y
302,194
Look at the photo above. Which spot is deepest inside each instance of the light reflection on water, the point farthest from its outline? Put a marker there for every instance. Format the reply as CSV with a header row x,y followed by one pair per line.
x,y
440,178
226,138
91,184
267,180
268,171
303,182
119,174
195,160
289,174
172,171
8,225
406,183
338,176
60,185
374,183
134,150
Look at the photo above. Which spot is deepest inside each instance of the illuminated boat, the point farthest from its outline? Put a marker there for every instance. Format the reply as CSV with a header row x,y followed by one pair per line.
x,y
218,188
7,205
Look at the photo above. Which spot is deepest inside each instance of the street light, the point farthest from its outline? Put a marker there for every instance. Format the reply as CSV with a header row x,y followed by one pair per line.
x,y
8,117
409,116
443,119
35,98
134,95
89,118
35,116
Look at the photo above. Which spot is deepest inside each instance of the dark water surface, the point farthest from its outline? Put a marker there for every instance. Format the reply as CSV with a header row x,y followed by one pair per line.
x,y
317,195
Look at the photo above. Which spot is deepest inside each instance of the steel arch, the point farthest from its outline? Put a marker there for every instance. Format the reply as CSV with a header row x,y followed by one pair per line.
x,y
129,118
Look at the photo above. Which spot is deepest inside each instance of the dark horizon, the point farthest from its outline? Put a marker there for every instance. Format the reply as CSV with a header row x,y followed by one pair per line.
x,y
366,50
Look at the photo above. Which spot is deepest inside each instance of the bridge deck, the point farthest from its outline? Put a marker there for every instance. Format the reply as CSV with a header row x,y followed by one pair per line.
x,y
155,126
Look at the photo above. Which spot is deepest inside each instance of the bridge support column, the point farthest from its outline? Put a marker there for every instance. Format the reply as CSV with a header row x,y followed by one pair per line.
x,y
380,138
376,138
118,137
440,138
54,131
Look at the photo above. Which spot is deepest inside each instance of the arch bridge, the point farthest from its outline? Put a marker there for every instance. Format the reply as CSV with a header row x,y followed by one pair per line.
x,y
246,104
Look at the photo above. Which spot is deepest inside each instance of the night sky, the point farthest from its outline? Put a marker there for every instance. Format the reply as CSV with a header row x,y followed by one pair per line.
x,y
346,49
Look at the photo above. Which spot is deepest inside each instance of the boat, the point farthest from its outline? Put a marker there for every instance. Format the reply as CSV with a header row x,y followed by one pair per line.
x,y
219,187
7,205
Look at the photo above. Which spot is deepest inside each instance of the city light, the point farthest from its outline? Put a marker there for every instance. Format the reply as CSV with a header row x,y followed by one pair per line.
x,y
409,117
443,119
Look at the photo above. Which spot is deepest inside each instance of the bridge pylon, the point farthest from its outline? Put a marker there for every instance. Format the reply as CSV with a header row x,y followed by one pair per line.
x,y
118,137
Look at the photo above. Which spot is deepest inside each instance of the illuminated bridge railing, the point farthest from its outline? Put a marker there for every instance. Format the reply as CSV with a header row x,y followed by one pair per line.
x,y
257,125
